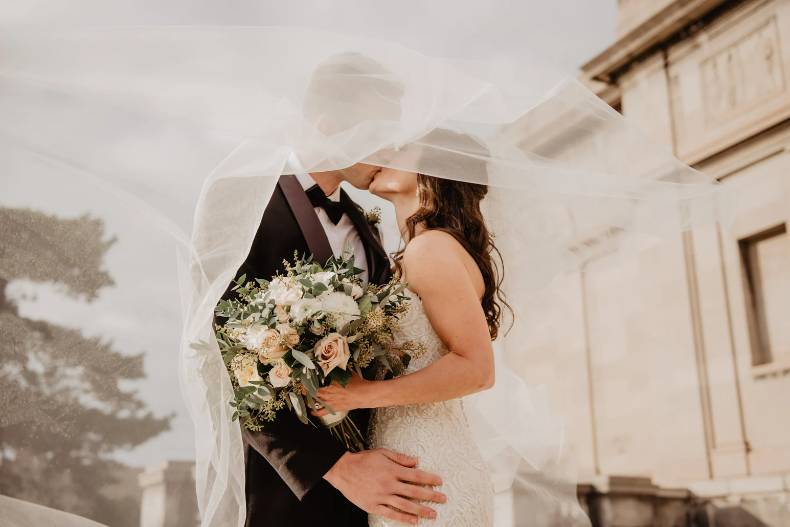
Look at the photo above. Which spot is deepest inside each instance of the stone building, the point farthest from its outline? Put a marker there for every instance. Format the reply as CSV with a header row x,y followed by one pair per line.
x,y
702,415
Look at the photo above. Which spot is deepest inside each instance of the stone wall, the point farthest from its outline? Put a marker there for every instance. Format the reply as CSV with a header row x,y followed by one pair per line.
x,y
719,97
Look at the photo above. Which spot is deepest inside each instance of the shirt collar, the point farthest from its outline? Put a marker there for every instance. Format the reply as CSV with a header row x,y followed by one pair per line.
x,y
307,181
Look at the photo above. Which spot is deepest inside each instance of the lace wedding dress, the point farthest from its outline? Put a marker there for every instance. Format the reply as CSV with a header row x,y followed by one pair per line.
x,y
438,435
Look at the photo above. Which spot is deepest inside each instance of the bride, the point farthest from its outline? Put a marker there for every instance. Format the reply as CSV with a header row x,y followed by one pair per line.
x,y
455,312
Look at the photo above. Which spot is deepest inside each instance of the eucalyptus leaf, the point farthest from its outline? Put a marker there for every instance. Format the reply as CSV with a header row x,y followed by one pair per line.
x,y
265,391
303,359
351,327
308,383
299,407
365,305
314,377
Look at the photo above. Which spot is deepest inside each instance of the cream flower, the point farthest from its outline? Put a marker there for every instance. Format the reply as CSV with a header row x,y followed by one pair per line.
x,y
324,277
332,352
256,336
303,309
245,368
342,307
283,292
280,374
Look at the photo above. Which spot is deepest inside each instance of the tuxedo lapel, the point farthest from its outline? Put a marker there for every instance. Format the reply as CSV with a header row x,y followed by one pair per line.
x,y
378,261
304,212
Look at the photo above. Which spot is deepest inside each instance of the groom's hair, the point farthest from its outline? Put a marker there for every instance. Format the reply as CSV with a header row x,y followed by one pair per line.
x,y
348,89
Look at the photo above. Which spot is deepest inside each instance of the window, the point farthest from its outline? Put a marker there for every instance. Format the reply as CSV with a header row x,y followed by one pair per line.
x,y
766,265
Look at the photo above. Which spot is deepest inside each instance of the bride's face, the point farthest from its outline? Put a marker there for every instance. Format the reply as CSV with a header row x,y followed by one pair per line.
x,y
390,183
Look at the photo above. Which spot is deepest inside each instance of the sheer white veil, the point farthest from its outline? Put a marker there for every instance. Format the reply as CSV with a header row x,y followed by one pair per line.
x,y
189,128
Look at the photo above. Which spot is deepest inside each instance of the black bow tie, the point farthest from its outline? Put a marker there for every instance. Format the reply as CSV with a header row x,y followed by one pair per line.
x,y
334,209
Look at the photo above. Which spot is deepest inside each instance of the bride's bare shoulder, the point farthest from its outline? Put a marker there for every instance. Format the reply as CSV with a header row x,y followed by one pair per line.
x,y
432,254
432,241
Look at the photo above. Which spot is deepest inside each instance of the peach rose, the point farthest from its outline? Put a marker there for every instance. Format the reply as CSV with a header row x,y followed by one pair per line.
x,y
332,352
289,335
271,347
280,374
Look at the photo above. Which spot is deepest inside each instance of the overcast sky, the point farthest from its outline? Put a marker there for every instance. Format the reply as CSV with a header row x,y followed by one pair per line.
x,y
567,31
139,313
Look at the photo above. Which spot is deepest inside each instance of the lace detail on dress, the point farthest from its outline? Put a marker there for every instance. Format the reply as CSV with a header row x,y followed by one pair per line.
x,y
438,434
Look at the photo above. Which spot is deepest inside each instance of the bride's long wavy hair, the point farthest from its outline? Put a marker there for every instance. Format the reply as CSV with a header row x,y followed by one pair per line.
x,y
454,207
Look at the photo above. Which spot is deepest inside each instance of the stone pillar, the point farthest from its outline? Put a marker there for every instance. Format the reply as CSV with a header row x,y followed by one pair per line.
x,y
169,498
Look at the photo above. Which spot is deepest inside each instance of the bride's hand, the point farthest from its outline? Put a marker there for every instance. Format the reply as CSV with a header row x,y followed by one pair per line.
x,y
342,399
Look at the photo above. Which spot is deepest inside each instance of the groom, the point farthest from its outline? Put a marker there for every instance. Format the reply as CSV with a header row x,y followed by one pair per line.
x,y
299,475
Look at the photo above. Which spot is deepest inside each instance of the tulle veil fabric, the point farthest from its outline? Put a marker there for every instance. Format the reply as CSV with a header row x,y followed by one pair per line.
x,y
189,127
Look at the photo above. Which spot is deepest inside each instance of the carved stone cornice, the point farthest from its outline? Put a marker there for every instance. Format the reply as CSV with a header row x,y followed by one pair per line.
x,y
659,28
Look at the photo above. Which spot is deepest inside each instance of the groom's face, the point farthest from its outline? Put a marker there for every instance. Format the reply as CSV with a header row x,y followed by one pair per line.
x,y
360,175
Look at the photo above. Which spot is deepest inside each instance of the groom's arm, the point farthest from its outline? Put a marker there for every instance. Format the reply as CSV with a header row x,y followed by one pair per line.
x,y
301,454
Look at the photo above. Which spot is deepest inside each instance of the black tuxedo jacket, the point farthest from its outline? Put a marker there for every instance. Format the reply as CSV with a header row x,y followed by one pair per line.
x,y
286,461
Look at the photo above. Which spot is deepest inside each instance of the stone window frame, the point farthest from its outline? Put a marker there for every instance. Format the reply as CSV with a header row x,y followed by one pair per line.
x,y
762,356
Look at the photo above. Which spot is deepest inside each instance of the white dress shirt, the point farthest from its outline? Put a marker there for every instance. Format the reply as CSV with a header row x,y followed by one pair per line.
x,y
343,235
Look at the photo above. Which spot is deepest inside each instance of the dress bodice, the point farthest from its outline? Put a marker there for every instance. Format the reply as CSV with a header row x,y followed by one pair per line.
x,y
416,328
437,434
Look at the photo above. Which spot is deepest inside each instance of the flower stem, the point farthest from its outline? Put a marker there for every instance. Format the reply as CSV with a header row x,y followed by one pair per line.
x,y
347,432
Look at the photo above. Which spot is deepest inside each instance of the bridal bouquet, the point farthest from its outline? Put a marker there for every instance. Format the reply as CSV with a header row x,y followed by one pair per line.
x,y
285,338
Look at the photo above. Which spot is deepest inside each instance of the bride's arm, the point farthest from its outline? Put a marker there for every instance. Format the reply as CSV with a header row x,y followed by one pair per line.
x,y
436,272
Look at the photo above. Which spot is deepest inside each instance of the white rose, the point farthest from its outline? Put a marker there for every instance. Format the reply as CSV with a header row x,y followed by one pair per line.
x,y
341,306
283,293
277,287
331,352
324,277
303,309
256,336
280,374
245,368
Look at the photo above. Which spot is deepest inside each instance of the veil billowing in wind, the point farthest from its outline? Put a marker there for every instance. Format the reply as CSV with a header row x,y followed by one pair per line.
x,y
188,129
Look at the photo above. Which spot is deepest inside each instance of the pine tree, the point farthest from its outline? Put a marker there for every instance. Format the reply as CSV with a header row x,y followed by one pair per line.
x,y
63,405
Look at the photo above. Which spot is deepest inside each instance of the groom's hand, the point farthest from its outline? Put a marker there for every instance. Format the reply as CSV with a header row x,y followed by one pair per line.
x,y
385,483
